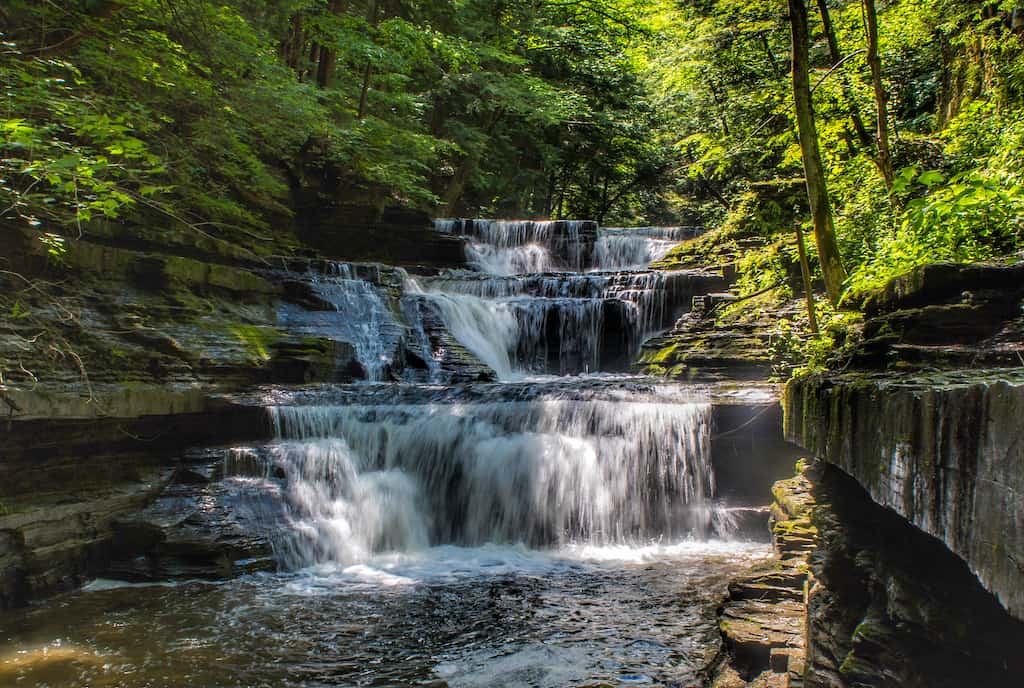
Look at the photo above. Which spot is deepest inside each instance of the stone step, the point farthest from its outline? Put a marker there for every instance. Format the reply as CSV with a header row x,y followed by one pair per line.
x,y
764,592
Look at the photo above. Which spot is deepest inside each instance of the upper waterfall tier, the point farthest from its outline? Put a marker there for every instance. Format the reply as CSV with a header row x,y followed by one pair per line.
x,y
516,247
561,296
634,248
514,313
513,247
562,323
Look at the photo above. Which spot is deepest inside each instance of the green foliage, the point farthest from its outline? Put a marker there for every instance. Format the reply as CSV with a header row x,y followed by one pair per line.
x,y
65,156
221,114
954,73
977,213
215,112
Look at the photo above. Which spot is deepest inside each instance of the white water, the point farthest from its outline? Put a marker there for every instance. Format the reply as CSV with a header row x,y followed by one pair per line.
x,y
521,317
515,247
538,534
360,316
634,248
616,468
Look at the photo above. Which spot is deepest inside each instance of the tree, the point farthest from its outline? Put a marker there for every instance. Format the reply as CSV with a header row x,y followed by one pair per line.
x,y
881,97
817,191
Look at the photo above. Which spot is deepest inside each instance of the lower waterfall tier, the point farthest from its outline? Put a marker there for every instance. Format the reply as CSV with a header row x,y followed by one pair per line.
x,y
345,481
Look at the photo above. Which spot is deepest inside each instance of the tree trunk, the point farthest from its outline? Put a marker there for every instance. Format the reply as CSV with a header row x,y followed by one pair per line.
x,y
367,75
371,17
836,56
805,272
881,97
328,56
817,191
293,47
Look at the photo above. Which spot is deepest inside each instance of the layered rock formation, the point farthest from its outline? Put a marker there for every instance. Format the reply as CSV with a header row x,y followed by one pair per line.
x,y
889,606
763,619
940,444
120,357
858,597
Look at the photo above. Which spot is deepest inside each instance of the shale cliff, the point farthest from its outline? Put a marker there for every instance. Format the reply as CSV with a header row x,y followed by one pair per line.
x,y
925,412
134,342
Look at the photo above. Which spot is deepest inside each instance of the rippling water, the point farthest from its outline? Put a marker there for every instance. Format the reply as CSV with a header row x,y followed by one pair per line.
x,y
449,616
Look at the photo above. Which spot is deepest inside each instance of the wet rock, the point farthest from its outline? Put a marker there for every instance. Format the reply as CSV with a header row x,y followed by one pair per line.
x,y
457,362
192,529
57,516
890,606
703,348
944,451
937,283
763,618
945,316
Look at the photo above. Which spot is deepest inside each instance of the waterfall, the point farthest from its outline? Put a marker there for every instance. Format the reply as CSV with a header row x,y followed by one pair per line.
x,y
358,471
488,329
360,315
634,248
562,297
512,247
614,467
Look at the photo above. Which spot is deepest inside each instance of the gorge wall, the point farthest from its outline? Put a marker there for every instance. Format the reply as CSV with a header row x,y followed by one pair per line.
x,y
925,413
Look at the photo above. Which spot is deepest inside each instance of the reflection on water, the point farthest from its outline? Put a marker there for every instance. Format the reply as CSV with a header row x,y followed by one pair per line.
x,y
487,616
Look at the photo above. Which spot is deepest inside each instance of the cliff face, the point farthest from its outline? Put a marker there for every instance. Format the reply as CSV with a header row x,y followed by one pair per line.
x,y
946,453
858,597
130,347
887,605
926,414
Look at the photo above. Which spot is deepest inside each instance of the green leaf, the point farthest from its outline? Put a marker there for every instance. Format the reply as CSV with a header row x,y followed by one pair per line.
x,y
931,178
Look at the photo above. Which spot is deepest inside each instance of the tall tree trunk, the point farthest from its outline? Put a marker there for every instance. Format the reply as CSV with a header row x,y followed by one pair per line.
x,y
881,97
371,16
328,56
805,273
817,191
836,56
367,76
293,47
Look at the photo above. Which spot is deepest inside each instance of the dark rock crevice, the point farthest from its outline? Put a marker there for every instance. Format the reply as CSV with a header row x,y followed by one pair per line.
x,y
890,606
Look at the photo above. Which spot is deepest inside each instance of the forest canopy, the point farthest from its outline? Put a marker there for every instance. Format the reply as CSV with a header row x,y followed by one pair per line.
x,y
629,112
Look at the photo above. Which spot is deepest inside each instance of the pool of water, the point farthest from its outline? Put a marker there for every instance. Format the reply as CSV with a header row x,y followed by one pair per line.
x,y
444,616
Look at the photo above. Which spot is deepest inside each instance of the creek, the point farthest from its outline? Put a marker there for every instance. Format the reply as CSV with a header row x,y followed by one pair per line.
x,y
558,525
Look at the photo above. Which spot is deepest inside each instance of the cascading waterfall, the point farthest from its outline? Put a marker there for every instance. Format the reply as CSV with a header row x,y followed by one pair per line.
x,y
362,478
399,469
540,533
489,329
360,316
512,247
634,248
520,317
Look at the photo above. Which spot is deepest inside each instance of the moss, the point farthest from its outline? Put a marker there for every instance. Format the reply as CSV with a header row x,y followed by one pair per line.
x,y
854,665
257,341
660,356
869,630
795,528
192,273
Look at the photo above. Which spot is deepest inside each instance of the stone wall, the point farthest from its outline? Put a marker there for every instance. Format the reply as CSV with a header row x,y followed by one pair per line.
x,y
888,606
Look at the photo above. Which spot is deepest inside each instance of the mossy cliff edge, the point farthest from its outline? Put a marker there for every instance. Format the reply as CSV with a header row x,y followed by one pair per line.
x,y
946,453
929,417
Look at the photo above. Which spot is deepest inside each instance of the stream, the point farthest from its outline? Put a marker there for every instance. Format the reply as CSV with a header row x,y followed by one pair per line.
x,y
558,526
